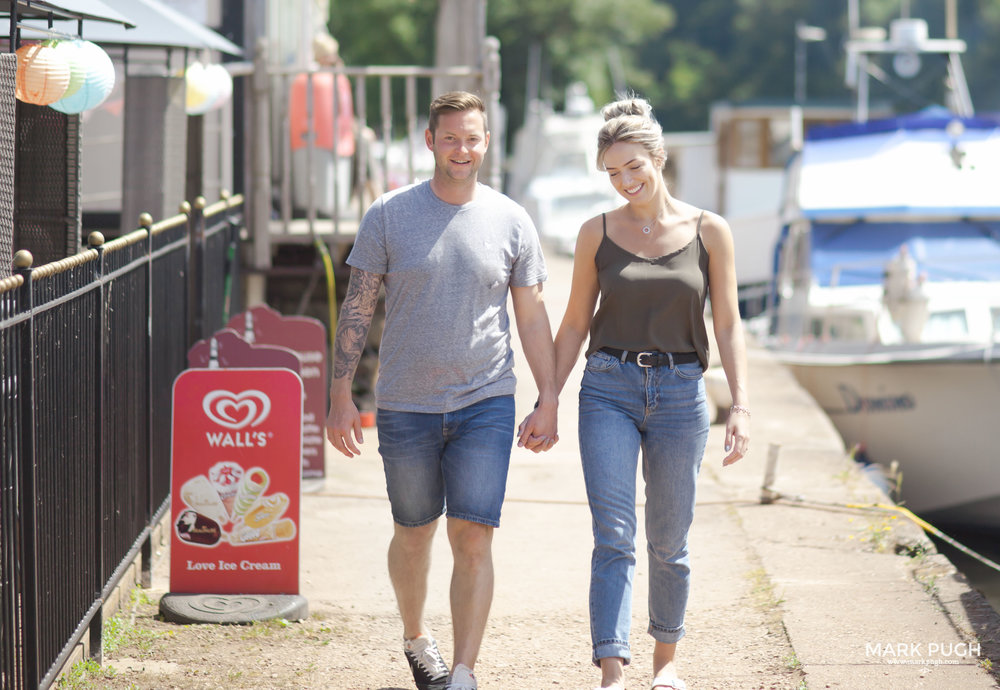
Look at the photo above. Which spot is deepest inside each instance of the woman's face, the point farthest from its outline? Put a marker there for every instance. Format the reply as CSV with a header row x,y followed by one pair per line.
x,y
632,171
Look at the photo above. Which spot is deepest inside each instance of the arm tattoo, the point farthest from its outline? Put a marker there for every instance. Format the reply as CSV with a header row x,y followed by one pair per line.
x,y
355,320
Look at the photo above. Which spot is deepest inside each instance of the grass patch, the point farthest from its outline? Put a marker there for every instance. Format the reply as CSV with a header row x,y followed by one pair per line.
x,y
119,632
762,591
85,674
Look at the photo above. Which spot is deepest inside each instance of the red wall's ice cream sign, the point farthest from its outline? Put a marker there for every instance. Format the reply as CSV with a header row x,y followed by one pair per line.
x,y
237,445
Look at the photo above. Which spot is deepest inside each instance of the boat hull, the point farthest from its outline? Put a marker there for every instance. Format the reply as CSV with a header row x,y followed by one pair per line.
x,y
935,416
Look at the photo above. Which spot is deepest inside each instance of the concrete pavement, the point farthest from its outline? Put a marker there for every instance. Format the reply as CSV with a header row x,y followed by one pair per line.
x,y
801,592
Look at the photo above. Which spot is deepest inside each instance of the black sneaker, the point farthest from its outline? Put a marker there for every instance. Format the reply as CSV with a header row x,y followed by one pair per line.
x,y
429,670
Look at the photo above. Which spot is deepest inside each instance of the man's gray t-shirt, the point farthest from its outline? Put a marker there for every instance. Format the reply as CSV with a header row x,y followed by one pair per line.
x,y
446,341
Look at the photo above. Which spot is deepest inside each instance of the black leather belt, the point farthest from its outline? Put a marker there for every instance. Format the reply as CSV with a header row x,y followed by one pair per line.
x,y
653,358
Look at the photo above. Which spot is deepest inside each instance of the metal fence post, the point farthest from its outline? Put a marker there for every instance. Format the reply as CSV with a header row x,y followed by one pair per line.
x,y
229,265
96,241
197,228
26,386
193,278
146,222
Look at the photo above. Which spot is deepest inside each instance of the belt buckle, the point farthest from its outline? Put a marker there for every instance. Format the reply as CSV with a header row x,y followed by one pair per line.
x,y
640,355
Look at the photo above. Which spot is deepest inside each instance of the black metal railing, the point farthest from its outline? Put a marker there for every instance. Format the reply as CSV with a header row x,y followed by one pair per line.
x,y
89,349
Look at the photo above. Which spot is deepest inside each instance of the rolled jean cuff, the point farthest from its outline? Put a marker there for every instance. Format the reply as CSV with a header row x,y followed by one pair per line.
x,y
612,648
666,635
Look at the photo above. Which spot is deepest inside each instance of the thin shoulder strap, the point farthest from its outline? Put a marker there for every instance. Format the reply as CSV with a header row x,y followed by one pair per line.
x,y
604,223
697,231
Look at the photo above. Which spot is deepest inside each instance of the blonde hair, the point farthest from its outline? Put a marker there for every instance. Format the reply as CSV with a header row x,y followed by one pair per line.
x,y
455,102
326,49
631,120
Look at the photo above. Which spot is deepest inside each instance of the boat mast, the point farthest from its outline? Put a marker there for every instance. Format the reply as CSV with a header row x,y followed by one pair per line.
x,y
907,40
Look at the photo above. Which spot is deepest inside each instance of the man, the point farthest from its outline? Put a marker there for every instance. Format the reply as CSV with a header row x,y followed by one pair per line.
x,y
448,251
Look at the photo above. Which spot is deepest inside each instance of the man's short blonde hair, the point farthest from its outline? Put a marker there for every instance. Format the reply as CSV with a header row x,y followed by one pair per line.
x,y
455,102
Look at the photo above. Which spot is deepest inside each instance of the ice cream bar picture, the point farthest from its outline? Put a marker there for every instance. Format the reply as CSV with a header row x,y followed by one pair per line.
x,y
197,529
269,509
281,530
199,495
253,484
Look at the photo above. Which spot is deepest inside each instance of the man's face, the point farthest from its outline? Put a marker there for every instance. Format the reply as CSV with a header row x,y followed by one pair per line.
x,y
459,144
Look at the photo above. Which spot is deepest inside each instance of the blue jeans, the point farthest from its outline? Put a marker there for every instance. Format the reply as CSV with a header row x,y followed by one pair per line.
x,y
457,460
625,408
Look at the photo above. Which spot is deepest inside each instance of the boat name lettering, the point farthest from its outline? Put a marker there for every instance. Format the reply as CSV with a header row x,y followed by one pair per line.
x,y
854,403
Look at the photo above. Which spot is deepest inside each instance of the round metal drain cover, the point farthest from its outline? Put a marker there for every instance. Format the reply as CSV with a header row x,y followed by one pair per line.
x,y
232,608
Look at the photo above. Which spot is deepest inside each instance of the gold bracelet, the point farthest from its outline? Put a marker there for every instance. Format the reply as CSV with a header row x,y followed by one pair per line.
x,y
739,409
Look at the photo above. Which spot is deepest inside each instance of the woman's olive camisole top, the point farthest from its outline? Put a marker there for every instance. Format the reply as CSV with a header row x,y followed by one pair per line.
x,y
651,304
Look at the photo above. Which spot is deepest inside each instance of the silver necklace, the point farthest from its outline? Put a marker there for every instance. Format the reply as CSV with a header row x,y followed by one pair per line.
x,y
648,227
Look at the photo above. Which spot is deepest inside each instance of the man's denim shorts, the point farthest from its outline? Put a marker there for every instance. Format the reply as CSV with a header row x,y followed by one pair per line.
x,y
455,461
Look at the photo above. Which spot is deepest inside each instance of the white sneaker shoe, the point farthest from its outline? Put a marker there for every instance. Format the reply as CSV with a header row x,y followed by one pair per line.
x,y
462,678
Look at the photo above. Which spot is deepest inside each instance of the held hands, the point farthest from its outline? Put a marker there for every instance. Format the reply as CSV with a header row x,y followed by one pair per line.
x,y
538,430
737,434
343,420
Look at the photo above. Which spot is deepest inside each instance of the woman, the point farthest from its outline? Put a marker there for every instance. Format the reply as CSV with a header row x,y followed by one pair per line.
x,y
652,261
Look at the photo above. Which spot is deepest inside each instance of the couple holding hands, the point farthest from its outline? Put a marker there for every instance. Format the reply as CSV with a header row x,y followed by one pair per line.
x,y
447,252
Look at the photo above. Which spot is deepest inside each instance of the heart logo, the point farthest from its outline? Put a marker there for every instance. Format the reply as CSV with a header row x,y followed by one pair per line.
x,y
237,410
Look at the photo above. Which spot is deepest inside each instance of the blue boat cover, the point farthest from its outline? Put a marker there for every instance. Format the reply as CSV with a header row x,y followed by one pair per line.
x,y
925,165
856,254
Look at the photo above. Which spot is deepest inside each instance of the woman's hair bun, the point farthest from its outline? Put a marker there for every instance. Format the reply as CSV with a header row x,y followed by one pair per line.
x,y
631,105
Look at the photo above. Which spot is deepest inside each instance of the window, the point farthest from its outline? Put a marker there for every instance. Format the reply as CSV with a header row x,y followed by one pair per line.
x,y
948,326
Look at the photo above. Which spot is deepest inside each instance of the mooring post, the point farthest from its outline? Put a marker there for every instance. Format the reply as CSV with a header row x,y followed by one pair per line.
x,y
767,494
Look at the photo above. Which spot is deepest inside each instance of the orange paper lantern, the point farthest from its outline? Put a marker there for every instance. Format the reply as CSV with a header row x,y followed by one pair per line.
x,y
42,74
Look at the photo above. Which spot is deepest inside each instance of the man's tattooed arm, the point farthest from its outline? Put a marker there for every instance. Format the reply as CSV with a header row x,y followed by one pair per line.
x,y
355,320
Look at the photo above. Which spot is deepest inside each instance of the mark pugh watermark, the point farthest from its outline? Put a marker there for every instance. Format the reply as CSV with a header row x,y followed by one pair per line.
x,y
925,653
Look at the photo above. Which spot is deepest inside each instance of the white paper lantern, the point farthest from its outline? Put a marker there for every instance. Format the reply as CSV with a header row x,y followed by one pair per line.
x,y
208,87
97,83
70,50
198,89
222,82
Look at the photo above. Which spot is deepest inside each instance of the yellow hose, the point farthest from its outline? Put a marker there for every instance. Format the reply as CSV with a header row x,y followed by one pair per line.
x,y
331,288
928,527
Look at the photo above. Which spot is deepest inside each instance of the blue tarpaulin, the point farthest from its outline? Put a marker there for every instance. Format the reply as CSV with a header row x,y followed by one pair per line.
x,y
856,254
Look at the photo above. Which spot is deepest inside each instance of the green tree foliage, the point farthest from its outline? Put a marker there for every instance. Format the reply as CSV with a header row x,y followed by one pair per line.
x,y
384,32
683,55
744,50
576,40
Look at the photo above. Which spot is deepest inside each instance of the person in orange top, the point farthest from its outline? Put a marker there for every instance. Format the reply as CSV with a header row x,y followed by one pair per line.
x,y
332,132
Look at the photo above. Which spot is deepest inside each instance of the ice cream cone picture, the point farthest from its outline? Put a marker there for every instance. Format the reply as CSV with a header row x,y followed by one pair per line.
x,y
225,477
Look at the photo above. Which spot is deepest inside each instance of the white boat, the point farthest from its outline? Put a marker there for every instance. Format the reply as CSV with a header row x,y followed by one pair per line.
x,y
553,172
886,300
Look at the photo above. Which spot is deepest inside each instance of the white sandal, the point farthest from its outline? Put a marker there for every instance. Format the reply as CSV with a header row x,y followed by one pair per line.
x,y
668,683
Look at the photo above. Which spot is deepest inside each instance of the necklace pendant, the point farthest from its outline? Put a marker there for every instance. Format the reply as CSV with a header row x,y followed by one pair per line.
x,y
645,229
